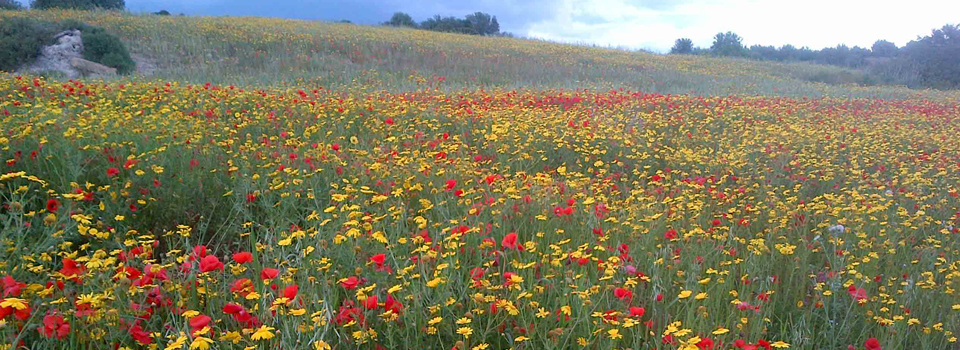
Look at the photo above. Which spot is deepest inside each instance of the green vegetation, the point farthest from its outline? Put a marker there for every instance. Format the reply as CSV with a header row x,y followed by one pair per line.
x,y
929,61
477,23
21,40
10,5
104,48
79,4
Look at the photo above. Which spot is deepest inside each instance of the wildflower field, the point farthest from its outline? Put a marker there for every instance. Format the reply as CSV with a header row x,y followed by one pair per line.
x,y
173,214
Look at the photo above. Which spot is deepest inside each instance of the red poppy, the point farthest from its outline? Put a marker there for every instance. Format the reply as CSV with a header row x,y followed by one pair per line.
x,y
232,308
378,259
54,326
11,287
670,234
243,257
350,283
509,241
857,293
141,336
637,311
268,273
111,172
210,263
705,344
370,302
72,270
872,344
623,293
198,323
392,305
290,292
199,251
53,205
335,147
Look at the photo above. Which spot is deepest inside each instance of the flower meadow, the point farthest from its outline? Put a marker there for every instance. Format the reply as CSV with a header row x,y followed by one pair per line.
x,y
166,215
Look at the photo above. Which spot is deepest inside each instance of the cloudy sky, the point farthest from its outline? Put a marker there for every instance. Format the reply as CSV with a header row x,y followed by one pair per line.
x,y
653,24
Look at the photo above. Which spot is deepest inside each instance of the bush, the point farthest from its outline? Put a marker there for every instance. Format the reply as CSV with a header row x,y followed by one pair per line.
x,y
21,40
106,49
79,4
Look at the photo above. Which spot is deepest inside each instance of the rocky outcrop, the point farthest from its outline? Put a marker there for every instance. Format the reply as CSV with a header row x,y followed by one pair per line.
x,y
57,57
90,68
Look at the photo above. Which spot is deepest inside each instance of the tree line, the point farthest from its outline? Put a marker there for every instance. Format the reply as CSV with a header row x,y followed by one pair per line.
x,y
477,23
929,61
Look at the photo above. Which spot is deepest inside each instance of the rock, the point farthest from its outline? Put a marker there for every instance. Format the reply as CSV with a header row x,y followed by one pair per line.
x,y
57,57
88,68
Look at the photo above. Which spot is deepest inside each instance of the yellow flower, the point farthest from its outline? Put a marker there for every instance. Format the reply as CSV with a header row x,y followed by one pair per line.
x,y
614,334
685,294
465,331
16,303
321,345
780,345
263,333
200,343
721,331
176,344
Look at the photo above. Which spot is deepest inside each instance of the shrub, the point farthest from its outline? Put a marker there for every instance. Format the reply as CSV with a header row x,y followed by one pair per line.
x,y
106,49
79,4
21,40
102,47
162,13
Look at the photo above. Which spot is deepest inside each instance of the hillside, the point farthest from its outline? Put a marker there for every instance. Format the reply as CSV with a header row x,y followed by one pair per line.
x,y
301,185
266,51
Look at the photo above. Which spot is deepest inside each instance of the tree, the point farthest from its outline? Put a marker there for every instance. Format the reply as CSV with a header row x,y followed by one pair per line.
x,y
162,13
883,48
766,53
937,57
79,4
683,46
728,44
10,5
482,23
401,19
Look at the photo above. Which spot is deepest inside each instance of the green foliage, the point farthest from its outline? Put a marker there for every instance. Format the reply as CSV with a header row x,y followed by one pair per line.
x,y
79,4
401,19
10,5
883,48
683,46
728,44
938,57
477,23
162,13
483,24
106,49
21,40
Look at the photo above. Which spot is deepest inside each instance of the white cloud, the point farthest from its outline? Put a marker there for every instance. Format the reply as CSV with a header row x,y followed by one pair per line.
x,y
813,23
